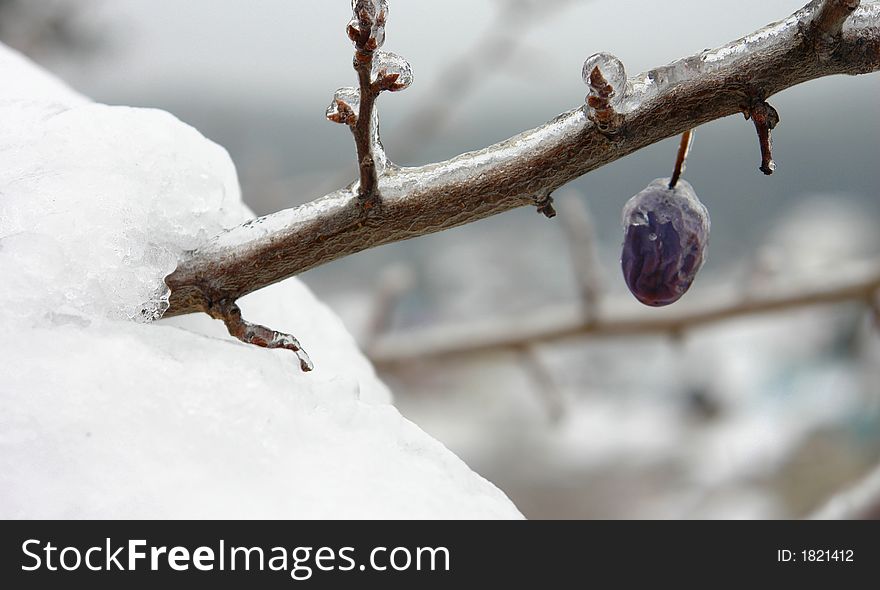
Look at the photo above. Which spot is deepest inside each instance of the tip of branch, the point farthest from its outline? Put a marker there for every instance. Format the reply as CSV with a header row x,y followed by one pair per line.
x,y
601,112
765,118
258,335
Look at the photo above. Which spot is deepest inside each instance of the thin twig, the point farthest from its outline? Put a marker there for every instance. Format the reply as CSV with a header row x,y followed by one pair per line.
x,y
765,118
365,38
256,334
684,147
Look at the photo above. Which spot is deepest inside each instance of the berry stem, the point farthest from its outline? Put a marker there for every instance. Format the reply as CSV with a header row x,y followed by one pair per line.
x,y
687,138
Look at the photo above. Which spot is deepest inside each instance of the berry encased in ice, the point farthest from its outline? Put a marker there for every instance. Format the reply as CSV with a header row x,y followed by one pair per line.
x,y
666,232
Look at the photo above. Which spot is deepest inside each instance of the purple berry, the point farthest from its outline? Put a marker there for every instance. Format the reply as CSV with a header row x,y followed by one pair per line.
x,y
666,232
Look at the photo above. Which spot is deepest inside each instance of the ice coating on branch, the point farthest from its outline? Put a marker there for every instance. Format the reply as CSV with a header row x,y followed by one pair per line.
x,y
380,159
666,232
345,106
372,15
387,65
647,85
613,72
865,15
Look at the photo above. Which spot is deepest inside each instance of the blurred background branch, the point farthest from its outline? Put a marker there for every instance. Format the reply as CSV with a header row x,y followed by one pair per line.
x,y
48,28
859,283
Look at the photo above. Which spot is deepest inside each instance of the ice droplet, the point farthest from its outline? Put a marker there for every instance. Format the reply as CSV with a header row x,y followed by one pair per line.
x,y
386,63
612,70
346,103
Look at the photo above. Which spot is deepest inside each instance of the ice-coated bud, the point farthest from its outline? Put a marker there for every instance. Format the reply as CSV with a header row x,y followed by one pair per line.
x,y
392,71
371,14
374,10
345,106
611,70
666,232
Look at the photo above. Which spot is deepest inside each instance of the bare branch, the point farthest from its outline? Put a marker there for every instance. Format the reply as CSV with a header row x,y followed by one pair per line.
x,y
561,323
522,170
256,334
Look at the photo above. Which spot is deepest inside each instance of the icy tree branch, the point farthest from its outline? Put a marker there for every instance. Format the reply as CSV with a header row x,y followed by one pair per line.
x,y
527,168
860,284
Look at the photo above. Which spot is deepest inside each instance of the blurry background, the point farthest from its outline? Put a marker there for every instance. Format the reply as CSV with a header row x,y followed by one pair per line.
x,y
764,416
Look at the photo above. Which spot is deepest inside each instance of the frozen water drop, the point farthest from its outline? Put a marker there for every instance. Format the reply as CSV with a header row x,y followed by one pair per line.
x,y
345,104
386,63
613,72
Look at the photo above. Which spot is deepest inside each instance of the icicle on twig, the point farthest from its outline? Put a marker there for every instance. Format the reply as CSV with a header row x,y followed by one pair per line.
x,y
765,119
258,335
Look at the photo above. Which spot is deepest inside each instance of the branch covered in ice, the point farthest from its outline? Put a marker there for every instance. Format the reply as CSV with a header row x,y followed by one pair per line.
x,y
527,168
256,334
377,71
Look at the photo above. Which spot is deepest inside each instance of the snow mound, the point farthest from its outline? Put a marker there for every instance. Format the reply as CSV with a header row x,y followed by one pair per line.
x,y
100,203
105,417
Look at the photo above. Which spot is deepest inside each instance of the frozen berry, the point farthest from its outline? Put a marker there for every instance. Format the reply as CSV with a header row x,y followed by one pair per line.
x,y
666,231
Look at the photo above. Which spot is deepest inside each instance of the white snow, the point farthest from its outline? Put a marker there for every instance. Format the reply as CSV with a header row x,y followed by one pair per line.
x,y
105,417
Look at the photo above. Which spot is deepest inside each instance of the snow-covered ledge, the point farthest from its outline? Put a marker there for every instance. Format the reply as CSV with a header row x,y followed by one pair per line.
x,y
105,415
